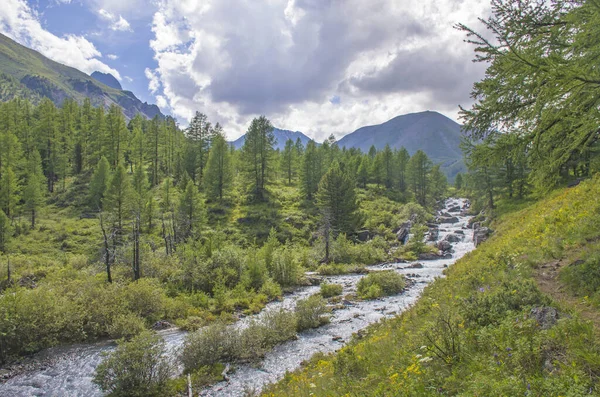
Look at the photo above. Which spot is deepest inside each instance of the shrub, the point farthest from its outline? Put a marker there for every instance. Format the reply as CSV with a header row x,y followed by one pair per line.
x,y
334,269
284,268
126,326
583,277
490,306
145,298
209,345
271,289
280,325
136,368
329,290
378,284
219,343
311,312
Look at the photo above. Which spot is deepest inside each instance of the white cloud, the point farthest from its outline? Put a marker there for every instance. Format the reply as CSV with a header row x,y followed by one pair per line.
x,y
153,80
21,23
112,57
116,22
287,58
128,79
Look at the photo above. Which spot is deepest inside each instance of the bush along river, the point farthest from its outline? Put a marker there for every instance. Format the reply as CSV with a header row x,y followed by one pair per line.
x,y
68,371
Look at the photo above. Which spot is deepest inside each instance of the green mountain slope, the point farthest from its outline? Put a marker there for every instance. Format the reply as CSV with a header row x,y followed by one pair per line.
x,y
34,76
435,134
493,326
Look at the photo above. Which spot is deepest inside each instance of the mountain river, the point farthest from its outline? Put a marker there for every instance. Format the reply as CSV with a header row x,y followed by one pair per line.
x,y
71,370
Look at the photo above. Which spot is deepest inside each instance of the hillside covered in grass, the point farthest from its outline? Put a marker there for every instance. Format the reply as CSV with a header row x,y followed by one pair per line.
x,y
487,329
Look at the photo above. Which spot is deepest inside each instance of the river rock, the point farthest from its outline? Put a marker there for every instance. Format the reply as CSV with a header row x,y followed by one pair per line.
x,y
416,266
453,238
444,245
364,235
480,235
459,232
160,325
403,231
429,256
433,234
545,316
454,209
448,219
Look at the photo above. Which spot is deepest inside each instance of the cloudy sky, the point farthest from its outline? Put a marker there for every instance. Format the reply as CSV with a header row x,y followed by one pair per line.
x,y
317,66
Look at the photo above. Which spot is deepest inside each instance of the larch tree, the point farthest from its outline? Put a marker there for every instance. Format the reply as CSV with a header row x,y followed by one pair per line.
x,y
288,161
402,158
118,201
33,195
189,211
336,198
218,175
9,192
418,170
256,156
310,173
98,184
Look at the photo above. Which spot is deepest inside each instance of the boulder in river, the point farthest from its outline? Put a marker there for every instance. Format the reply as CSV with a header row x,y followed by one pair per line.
x,y
448,219
444,245
429,256
454,209
433,234
480,235
416,266
160,325
453,238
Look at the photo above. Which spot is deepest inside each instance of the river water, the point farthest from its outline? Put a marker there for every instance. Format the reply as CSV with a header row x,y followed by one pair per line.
x,y
70,375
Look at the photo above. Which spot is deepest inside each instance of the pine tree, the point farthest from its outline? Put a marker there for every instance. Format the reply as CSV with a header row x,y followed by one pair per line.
x,y
257,153
116,135
47,132
189,211
458,181
402,159
310,174
387,159
6,232
118,200
98,184
363,172
438,183
218,175
336,199
33,194
199,134
288,161
418,170
9,192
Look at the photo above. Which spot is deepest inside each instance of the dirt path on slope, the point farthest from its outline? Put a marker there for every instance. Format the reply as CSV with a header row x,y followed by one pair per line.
x,y
548,281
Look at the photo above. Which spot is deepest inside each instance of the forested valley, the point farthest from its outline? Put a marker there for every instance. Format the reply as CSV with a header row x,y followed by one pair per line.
x,y
110,227
165,261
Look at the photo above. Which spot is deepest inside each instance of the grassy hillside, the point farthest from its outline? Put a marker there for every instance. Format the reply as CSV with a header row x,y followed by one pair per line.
x,y
487,329
37,76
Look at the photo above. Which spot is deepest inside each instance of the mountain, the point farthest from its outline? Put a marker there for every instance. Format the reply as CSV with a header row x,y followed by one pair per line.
x,y
107,79
280,135
28,74
437,135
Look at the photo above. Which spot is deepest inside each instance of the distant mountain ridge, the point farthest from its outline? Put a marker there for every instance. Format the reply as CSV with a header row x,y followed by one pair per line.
x,y
437,135
280,135
107,79
28,74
